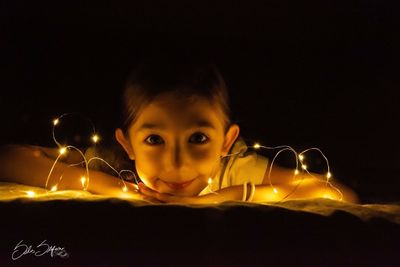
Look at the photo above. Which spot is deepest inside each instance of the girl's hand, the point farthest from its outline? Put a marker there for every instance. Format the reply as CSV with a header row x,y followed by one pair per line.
x,y
168,198
134,193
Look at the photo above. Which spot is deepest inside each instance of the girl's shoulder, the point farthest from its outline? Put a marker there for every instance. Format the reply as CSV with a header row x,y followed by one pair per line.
x,y
246,165
242,165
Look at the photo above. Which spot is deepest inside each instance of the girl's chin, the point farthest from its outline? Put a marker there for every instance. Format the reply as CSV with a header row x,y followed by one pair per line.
x,y
188,189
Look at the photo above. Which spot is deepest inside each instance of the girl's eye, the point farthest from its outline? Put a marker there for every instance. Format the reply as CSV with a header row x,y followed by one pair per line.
x,y
153,140
199,138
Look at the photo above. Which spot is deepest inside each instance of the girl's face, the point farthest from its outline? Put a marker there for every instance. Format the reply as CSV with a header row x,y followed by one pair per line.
x,y
176,145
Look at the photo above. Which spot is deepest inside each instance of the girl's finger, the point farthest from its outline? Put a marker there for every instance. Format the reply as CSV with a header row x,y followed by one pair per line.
x,y
148,198
142,186
151,199
145,190
156,195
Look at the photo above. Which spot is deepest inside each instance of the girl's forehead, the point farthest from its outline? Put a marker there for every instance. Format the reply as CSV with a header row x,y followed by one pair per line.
x,y
178,111
180,104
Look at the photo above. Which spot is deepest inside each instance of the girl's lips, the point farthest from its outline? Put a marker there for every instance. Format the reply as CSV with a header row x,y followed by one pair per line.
x,y
178,186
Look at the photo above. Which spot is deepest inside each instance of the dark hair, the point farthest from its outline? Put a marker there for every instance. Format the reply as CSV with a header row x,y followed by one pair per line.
x,y
185,80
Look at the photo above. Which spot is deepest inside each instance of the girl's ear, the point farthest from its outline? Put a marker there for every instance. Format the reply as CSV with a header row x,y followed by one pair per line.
x,y
124,142
230,138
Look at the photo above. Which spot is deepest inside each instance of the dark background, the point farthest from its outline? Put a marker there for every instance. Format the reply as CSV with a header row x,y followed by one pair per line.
x,y
311,74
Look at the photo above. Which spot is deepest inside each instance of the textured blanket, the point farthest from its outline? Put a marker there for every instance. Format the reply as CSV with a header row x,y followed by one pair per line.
x,y
78,228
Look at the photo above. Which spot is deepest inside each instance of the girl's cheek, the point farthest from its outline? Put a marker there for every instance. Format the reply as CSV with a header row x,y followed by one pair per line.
x,y
206,156
148,174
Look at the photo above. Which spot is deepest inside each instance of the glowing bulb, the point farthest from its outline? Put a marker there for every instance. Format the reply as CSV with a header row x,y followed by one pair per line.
x,y
30,193
83,180
256,146
55,122
209,180
304,166
54,188
62,150
275,190
125,188
328,175
95,138
301,157
296,172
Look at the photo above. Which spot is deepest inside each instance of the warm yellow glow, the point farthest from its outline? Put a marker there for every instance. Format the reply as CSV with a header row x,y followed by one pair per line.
x,y
304,181
209,180
126,195
54,188
83,180
256,146
125,188
301,157
55,122
30,193
95,138
296,172
62,150
328,175
271,195
326,195
304,166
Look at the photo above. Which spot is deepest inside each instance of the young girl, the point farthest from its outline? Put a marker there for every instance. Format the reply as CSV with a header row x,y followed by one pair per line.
x,y
182,145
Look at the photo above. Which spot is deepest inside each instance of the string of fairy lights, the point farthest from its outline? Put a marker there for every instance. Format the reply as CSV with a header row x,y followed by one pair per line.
x,y
300,170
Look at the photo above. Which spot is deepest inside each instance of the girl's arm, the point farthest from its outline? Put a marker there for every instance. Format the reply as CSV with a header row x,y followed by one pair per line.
x,y
30,165
283,186
285,189
308,186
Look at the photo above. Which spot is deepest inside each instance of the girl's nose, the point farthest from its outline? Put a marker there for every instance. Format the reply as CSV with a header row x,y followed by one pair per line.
x,y
175,157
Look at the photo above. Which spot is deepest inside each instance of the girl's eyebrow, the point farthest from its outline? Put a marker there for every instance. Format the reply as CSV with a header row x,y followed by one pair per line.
x,y
197,124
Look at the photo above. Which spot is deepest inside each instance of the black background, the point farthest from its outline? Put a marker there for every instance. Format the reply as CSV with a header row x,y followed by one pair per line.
x,y
310,74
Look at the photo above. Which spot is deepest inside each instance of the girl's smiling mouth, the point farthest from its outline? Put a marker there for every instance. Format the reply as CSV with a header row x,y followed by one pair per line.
x,y
178,186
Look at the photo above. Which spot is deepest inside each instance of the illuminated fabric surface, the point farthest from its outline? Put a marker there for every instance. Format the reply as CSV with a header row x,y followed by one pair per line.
x,y
326,207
